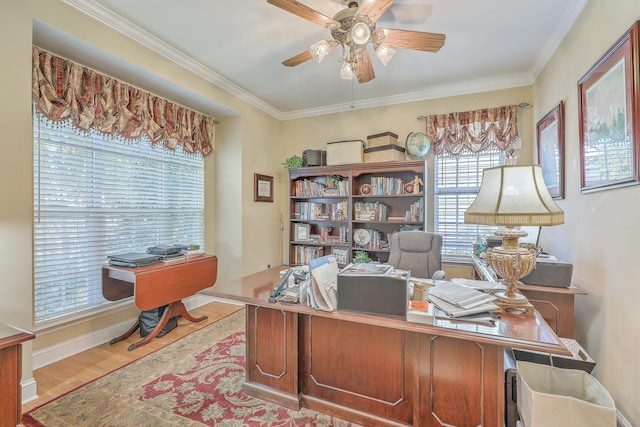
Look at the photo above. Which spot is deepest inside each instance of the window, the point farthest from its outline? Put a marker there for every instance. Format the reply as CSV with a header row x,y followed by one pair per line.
x,y
94,196
456,183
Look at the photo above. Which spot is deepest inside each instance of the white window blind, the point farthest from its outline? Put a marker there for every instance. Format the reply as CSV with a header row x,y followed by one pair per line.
x,y
456,183
95,196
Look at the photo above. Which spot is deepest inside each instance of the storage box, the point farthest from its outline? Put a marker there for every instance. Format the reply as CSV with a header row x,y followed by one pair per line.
x,y
383,153
373,293
550,273
314,158
556,397
345,152
379,139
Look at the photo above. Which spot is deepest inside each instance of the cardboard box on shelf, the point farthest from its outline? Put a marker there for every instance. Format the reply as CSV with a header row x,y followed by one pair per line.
x,y
345,152
384,153
384,138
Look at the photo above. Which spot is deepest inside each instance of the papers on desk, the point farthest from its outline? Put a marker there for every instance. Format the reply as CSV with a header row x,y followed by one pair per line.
x,y
481,285
324,279
456,300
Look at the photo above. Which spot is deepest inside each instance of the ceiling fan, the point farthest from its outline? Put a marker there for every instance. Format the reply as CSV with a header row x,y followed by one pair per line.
x,y
353,29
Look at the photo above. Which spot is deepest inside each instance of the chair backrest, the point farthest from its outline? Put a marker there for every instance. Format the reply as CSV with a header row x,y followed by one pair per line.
x,y
418,251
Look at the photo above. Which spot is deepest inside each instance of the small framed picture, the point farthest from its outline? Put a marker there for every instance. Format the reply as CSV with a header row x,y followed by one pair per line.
x,y
301,232
550,131
262,188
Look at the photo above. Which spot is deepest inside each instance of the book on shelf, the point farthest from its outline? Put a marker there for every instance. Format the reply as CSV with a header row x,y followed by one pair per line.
x,y
420,312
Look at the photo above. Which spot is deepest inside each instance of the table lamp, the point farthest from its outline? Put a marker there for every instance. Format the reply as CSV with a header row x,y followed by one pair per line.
x,y
513,196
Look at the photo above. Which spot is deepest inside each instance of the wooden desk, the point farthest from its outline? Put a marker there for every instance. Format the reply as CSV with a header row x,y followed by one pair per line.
x,y
377,370
11,340
158,285
555,304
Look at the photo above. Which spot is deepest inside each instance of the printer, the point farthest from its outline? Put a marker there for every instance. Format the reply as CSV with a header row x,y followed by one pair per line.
x,y
550,272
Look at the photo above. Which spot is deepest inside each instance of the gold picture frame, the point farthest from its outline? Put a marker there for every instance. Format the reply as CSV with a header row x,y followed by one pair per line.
x,y
301,232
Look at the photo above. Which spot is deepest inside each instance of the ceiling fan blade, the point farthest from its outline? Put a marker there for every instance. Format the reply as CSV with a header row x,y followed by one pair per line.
x,y
305,12
405,39
298,59
364,69
374,9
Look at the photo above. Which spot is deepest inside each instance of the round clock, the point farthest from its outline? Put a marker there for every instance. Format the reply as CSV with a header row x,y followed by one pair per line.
x,y
417,145
361,236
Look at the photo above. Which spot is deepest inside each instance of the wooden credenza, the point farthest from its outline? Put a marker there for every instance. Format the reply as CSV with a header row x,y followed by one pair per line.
x,y
11,340
555,304
378,370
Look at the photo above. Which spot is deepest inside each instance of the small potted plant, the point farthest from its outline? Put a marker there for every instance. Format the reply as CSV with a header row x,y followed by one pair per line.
x,y
361,257
332,180
293,162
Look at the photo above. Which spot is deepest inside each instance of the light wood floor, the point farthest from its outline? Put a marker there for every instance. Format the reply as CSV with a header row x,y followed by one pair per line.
x,y
63,376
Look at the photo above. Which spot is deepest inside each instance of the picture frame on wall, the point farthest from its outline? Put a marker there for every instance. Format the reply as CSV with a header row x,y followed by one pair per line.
x,y
262,188
550,136
609,108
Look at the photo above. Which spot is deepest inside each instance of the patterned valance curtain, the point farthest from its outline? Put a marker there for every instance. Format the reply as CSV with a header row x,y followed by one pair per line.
x,y
474,131
67,92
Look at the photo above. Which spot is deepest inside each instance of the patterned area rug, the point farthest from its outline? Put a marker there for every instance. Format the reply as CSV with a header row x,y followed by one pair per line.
x,y
196,381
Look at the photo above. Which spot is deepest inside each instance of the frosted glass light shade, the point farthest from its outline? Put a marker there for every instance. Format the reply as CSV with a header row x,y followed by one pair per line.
x,y
385,53
320,49
346,72
360,33
512,196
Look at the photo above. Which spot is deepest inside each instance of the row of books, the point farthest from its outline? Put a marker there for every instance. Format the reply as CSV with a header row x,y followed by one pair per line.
x,y
308,188
382,185
319,211
303,254
370,211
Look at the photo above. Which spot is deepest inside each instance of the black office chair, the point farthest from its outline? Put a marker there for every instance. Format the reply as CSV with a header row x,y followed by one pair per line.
x,y
417,251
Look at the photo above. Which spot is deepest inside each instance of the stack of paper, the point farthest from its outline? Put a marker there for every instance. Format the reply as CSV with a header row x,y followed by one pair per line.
x,y
456,300
481,285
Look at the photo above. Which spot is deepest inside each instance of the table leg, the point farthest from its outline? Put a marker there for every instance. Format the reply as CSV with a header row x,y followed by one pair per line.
x,y
174,309
127,334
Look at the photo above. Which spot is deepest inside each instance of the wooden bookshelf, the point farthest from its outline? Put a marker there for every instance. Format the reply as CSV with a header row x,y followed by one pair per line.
x,y
372,201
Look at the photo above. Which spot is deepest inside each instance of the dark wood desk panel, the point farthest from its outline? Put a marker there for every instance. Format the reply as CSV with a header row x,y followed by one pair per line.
x,y
158,285
11,340
377,370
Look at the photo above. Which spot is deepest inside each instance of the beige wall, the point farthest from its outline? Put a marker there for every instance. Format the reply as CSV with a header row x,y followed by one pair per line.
x,y
246,145
600,236
401,119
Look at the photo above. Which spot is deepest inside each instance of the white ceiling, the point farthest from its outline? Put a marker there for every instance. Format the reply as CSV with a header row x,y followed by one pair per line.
x,y
240,44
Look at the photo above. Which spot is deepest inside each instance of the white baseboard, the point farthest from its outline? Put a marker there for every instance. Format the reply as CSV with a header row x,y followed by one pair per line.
x,y
622,421
55,353
29,390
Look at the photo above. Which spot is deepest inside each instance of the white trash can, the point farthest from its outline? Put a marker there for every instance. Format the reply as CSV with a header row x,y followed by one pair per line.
x,y
557,397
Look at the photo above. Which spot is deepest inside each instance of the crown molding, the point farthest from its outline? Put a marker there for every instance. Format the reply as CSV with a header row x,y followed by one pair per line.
x,y
571,15
121,25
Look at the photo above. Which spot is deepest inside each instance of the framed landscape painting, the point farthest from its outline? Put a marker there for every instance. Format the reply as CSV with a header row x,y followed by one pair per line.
x,y
550,132
609,117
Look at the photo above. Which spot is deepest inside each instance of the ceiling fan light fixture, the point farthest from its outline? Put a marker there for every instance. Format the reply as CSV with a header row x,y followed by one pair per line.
x,y
360,33
385,53
346,72
320,49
